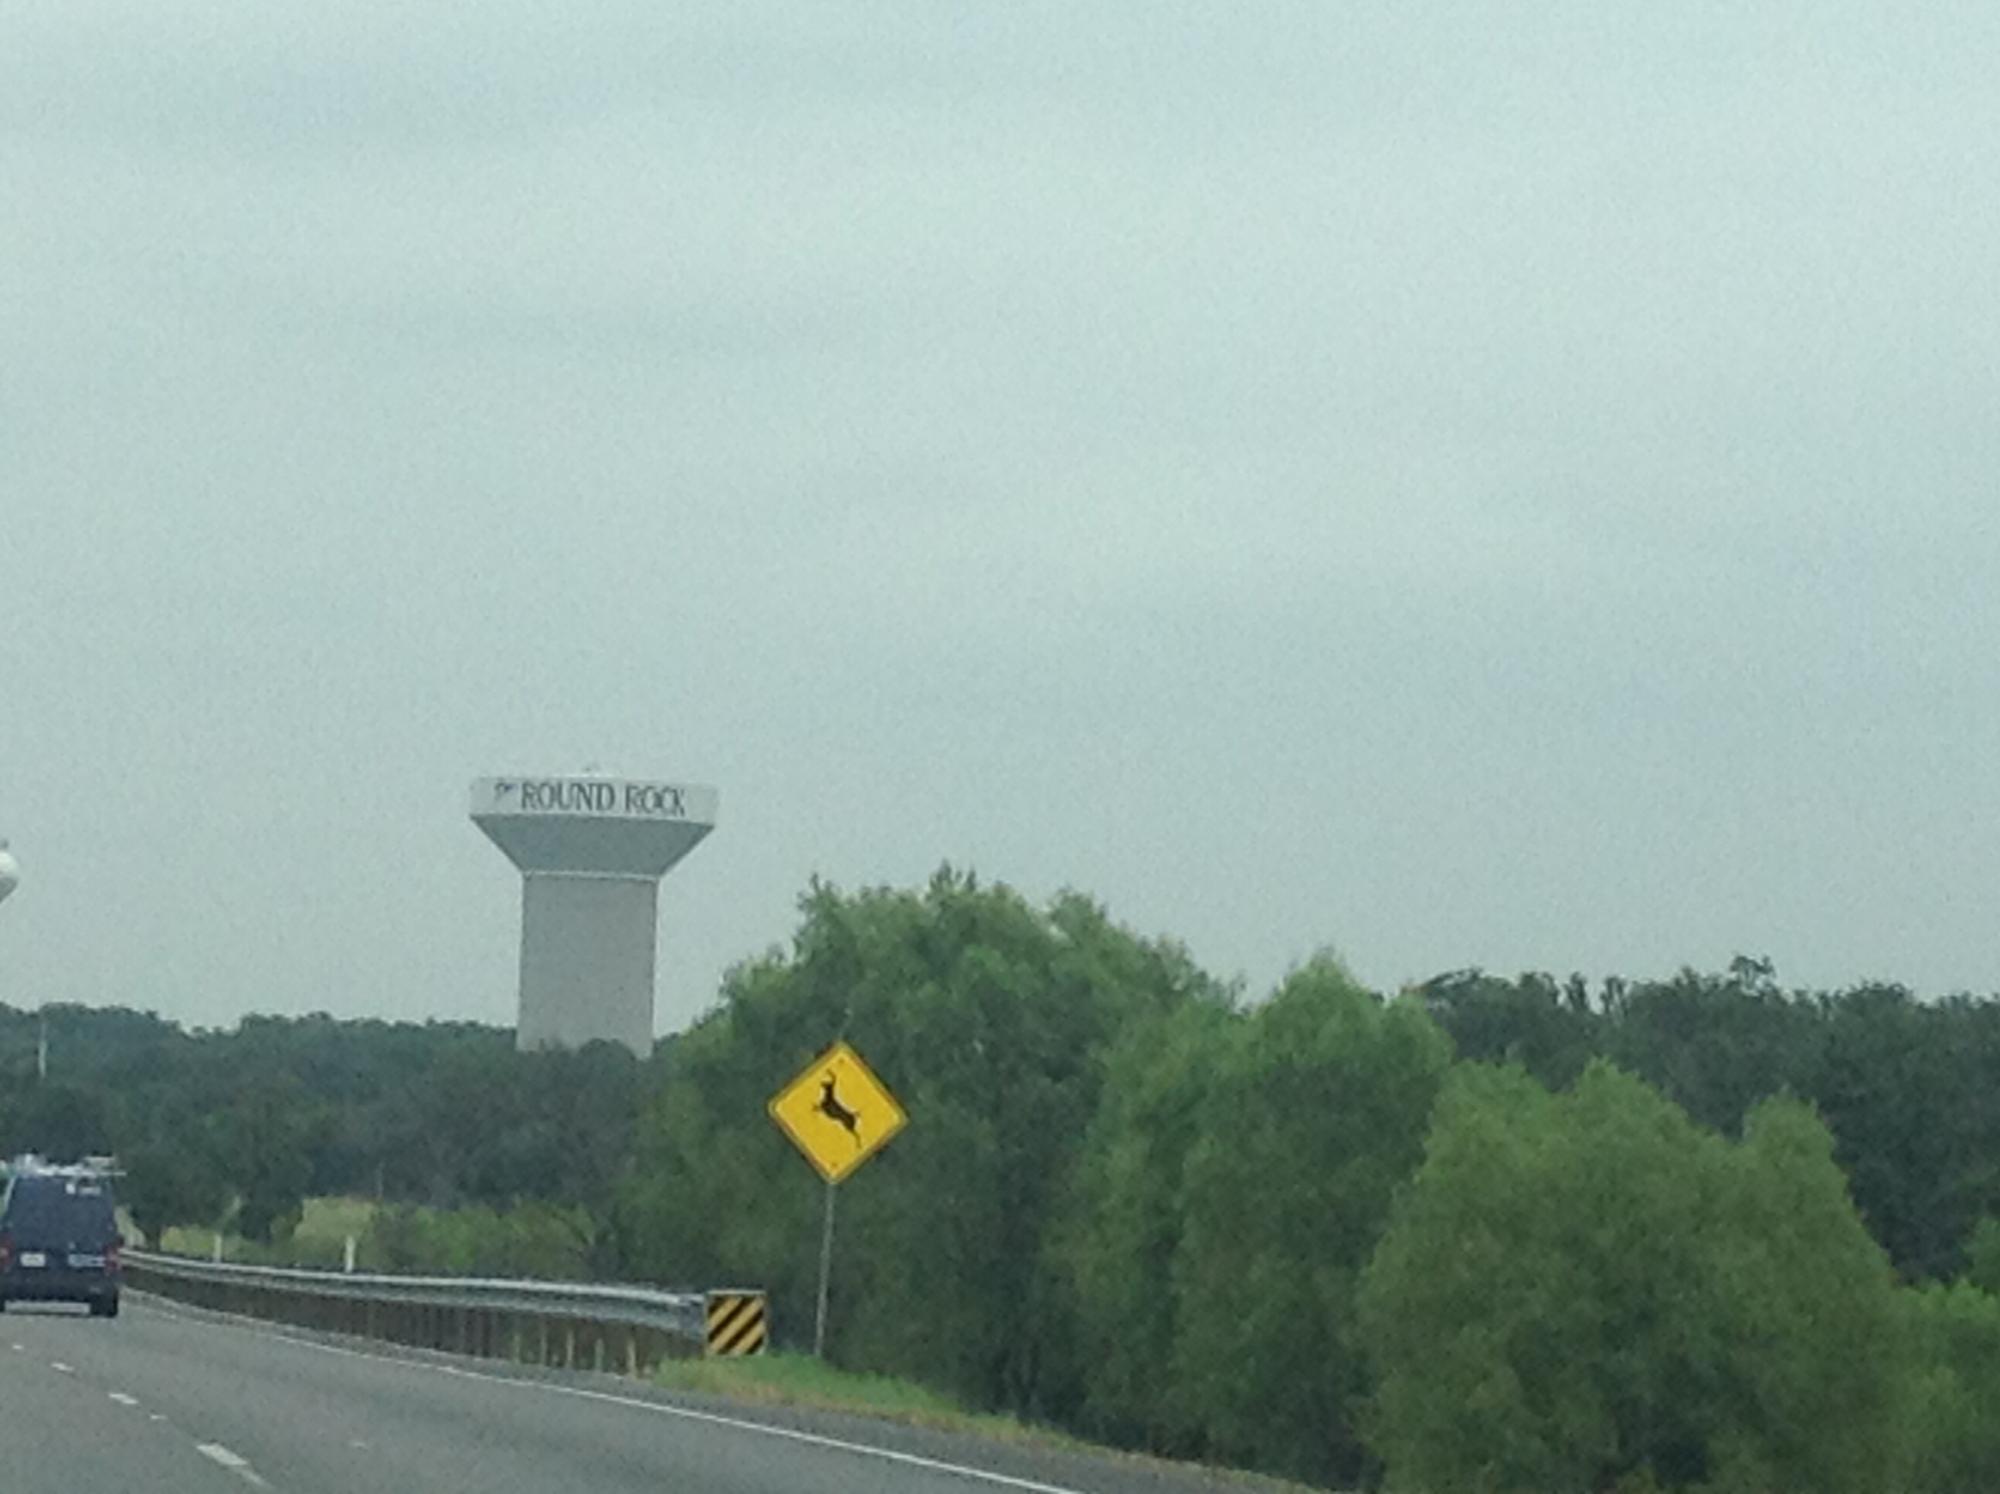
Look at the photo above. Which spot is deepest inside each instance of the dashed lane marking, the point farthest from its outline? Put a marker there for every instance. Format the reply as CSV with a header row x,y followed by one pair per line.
x,y
215,1452
236,1463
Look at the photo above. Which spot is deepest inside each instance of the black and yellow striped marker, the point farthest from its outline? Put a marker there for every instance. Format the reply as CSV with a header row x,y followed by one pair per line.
x,y
738,1324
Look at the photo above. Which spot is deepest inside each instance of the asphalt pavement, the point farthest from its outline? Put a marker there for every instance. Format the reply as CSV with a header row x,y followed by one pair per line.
x,y
175,1402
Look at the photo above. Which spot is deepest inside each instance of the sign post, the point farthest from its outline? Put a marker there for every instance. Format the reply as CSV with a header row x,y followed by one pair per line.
x,y
838,1114
825,1273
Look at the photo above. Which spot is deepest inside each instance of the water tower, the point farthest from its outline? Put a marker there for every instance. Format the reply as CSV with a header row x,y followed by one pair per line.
x,y
591,851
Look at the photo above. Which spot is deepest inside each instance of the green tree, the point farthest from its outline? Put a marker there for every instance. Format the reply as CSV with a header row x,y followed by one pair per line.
x,y
1982,1256
264,1148
1716,1044
1550,1030
1589,1291
166,1184
988,1018
1907,1087
1954,1405
1316,1114
1124,1220
60,1121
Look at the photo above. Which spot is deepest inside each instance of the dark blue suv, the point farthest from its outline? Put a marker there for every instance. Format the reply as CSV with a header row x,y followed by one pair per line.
x,y
59,1241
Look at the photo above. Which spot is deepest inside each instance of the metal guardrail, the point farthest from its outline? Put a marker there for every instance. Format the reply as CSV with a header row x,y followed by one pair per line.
x,y
572,1324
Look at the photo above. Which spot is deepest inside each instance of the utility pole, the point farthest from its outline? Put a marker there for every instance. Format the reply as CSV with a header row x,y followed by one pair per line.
x,y
42,1051
10,878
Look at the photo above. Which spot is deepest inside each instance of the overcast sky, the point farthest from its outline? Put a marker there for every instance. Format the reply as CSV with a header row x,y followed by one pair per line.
x,y
1460,483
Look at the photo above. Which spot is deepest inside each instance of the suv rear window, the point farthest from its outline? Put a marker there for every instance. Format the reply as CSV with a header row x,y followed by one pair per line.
x,y
75,1208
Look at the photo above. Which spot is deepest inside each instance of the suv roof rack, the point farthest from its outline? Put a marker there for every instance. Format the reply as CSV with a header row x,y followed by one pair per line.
x,y
30,1165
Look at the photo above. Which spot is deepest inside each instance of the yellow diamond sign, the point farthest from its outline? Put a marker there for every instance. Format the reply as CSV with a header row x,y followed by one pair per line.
x,y
837,1112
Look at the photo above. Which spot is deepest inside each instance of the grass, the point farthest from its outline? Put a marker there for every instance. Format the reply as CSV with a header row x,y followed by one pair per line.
x,y
319,1240
327,1223
803,1381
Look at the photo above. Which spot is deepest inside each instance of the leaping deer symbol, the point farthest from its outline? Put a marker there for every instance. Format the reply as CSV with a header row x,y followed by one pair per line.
x,y
829,1106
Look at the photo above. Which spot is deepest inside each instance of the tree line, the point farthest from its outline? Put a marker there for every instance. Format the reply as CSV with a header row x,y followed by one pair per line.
x,y
1483,1234
240,1127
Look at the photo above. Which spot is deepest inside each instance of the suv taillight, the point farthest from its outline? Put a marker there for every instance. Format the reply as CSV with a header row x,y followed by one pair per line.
x,y
113,1257
6,1250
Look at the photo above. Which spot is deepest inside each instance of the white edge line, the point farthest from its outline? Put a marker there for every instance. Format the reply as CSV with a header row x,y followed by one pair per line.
x,y
789,1434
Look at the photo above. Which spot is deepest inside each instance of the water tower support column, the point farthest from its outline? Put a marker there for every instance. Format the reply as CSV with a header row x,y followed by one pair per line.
x,y
587,960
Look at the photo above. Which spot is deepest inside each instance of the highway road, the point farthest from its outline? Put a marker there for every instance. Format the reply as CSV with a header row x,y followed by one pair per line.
x,y
173,1403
